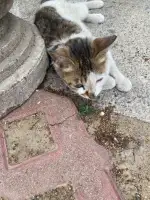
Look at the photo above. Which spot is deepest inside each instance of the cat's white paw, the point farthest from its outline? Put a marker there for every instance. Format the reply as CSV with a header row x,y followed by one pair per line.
x,y
99,4
95,18
95,4
124,85
99,18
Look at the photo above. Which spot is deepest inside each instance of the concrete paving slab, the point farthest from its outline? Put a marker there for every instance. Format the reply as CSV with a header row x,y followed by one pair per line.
x,y
78,159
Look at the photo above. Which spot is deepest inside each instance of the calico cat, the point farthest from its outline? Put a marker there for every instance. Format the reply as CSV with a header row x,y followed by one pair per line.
x,y
82,61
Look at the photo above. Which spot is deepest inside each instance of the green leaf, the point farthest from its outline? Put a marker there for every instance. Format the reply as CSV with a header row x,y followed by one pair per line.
x,y
85,109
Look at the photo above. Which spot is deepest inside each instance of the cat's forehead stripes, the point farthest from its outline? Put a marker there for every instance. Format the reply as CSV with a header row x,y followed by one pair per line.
x,y
80,47
80,50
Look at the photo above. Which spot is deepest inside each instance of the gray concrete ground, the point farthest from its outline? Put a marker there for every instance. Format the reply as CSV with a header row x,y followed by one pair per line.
x,y
130,21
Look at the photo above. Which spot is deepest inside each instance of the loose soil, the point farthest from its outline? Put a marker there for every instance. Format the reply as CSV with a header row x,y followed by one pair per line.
x,y
27,138
128,140
60,193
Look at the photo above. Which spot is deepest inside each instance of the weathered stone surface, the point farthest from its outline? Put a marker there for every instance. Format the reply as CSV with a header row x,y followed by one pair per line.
x,y
13,36
23,59
24,38
3,26
25,9
18,87
5,6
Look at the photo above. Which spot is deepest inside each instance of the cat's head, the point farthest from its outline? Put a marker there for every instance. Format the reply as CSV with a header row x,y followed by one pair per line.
x,y
81,63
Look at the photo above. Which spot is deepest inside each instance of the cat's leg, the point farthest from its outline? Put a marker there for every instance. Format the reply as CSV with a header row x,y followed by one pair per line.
x,y
95,4
110,83
95,18
82,11
78,10
122,83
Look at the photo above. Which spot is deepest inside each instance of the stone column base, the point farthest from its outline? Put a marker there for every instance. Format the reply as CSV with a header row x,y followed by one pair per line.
x,y
23,62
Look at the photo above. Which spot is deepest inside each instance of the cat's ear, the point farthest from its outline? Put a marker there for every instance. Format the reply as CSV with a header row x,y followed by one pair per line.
x,y
101,44
60,53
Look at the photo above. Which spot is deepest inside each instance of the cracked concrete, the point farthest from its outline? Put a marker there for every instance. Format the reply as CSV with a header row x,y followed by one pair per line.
x,y
63,121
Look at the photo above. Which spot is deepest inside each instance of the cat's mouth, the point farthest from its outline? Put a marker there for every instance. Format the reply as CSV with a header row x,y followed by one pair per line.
x,y
86,95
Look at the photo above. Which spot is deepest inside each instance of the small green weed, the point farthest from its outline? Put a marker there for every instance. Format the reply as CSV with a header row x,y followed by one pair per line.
x,y
85,109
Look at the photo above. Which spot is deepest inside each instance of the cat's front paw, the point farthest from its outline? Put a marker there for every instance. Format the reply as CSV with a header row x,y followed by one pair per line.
x,y
95,18
124,85
99,18
95,4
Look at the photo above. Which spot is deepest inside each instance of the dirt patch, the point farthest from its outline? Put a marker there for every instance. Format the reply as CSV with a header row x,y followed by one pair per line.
x,y
128,140
104,129
60,193
27,138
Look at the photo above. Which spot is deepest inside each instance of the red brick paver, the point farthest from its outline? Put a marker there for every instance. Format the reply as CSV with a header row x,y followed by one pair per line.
x,y
78,158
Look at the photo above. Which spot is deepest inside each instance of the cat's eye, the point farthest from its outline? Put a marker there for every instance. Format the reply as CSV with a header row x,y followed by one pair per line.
x,y
99,80
79,86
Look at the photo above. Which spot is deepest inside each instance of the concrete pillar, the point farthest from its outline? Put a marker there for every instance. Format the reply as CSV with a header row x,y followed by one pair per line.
x,y
23,59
